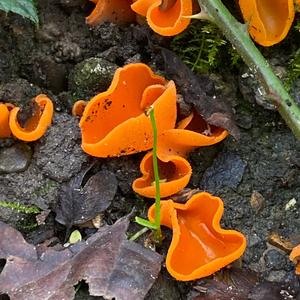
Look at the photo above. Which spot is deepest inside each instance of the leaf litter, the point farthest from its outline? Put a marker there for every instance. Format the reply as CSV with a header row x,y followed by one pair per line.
x,y
112,266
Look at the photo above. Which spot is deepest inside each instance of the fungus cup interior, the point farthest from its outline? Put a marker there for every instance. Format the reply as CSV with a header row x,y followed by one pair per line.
x,y
115,11
174,176
37,124
168,20
190,133
269,20
114,122
199,246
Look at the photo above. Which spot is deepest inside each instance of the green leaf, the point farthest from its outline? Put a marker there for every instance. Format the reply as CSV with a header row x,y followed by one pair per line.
x,y
75,237
145,223
25,8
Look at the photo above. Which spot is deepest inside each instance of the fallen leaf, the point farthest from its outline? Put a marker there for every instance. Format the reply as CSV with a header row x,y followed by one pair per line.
x,y
112,266
200,92
79,202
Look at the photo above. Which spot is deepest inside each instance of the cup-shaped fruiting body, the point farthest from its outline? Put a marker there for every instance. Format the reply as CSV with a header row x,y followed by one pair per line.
x,y
174,174
199,246
295,257
78,108
5,109
36,126
269,21
191,132
165,17
114,122
115,11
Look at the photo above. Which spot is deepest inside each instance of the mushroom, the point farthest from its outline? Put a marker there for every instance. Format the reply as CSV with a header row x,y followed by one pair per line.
x,y
199,245
36,126
166,17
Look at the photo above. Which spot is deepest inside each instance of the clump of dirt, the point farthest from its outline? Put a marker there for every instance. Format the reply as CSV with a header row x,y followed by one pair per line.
x,y
257,176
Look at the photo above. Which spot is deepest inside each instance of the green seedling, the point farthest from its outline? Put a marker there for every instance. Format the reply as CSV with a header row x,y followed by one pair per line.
x,y
156,224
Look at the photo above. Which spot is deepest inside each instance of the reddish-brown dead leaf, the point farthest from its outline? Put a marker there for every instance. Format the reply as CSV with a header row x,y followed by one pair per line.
x,y
112,266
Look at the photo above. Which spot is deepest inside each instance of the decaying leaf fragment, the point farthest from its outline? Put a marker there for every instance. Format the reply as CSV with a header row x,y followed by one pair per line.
x,y
112,266
200,92
79,202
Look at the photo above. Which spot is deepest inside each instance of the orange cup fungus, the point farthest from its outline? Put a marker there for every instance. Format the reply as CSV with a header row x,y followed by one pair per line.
x,y
269,20
295,257
174,173
114,123
5,109
191,132
115,11
36,126
199,246
165,17
78,108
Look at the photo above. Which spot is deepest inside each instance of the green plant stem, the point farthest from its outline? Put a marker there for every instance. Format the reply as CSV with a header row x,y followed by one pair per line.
x,y
156,225
158,235
237,34
138,234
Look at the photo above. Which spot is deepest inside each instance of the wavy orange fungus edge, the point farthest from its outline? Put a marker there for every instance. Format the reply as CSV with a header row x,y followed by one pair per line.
x,y
37,125
115,11
174,173
269,21
167,22
199,245
188,135
5,109
114,123
295,257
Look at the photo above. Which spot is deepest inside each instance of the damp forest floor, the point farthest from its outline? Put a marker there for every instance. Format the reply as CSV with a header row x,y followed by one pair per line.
x,y
258,176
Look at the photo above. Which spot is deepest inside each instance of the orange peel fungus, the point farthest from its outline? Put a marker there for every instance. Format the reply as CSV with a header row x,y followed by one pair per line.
x,y
295,257
36,126
114,123
191,132
115,11
174,173
269,20
199,246
5,109
166,21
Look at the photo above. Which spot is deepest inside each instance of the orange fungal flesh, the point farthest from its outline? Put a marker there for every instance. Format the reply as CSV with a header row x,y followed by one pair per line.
x,y
114,122
189,135
295,256
174,176
115,11
167,21
269,20
36,126
5,131
78,108
199,246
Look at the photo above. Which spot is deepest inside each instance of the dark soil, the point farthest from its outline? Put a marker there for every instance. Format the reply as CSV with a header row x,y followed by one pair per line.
x,y
258,177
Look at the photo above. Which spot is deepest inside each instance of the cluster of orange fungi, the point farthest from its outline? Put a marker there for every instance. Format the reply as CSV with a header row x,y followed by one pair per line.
x,y
114,123
268,21
35,126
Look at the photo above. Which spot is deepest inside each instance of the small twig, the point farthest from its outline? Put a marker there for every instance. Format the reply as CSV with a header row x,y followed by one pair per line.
x,y
138,234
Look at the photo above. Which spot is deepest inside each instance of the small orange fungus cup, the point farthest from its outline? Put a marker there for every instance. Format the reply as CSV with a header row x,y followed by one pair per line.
x,y
269,20
78,108
36,126
166,21
295,257
5,109
191,132
199,246
114,122
174,173
115,11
